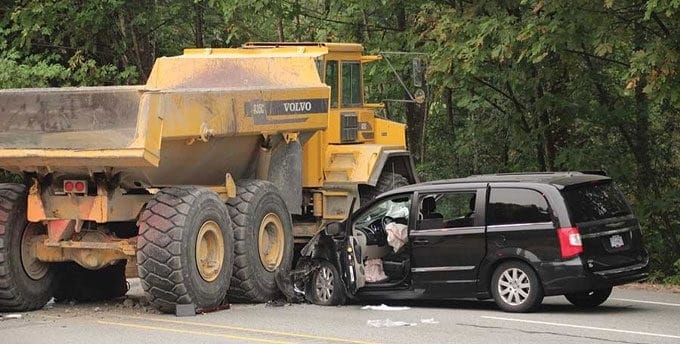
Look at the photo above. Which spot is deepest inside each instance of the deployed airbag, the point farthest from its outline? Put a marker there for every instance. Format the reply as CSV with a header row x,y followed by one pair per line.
x,y
397,235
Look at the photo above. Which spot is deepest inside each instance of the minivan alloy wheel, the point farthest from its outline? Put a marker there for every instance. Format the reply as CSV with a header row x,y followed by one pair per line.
x,y
514,286
324,284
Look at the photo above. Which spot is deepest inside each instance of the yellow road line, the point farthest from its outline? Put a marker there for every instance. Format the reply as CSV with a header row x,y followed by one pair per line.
x,y
244,329
174,330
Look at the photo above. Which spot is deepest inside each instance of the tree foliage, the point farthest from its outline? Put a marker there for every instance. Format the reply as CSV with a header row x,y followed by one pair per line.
x,y
513,85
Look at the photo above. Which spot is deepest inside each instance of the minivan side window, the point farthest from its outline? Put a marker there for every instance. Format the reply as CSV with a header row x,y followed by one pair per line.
x,y
447,210
515,206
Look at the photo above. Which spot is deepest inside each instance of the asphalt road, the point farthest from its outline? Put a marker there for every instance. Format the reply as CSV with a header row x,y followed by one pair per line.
x,y
629,316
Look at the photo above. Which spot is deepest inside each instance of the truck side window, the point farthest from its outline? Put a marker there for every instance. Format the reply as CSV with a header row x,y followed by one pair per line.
x,y
319,67
351,83
447,210
515,206
332,81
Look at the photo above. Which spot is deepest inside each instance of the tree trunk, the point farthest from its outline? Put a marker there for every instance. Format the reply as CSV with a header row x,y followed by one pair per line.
x,y
279,27
198,23
415,129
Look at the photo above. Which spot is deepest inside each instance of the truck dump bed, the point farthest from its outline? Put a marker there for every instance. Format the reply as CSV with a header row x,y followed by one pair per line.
x,y
199,115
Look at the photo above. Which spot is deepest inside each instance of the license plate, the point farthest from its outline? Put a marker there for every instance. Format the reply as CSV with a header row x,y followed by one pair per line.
x,y
616,241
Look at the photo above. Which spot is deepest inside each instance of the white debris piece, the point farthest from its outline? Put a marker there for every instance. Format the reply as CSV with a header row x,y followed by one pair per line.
x,y
429,321
385,307
49,304
388,323
10,316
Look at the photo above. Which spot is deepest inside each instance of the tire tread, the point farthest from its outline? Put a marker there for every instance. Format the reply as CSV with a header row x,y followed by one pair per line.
x,y
11,296
160,233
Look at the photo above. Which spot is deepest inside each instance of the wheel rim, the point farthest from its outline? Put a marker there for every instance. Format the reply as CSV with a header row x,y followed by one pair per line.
x,y
514,286
34,268
270,243
209,251
324,284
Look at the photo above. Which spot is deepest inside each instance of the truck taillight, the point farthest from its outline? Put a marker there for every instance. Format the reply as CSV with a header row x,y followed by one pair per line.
x,y
570,241
75,186
80,186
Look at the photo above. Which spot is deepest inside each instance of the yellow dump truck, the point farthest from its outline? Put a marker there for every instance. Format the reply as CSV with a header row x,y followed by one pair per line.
x,y
205,177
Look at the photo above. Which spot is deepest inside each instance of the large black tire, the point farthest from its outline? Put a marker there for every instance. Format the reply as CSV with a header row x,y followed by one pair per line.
x,y
84,285
519,279
589,299
326,287
19,291
169,231
252,280
387,181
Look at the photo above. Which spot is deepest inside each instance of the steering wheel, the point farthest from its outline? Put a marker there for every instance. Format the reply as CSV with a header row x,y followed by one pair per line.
x,y
386,221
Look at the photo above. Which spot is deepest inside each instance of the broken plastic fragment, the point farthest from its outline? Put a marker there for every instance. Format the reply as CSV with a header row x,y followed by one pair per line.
x,y
388,323
10,316
385,307
429,321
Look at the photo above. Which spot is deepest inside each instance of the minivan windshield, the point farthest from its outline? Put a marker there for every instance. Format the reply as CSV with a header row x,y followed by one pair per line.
x,y
591,202
394,208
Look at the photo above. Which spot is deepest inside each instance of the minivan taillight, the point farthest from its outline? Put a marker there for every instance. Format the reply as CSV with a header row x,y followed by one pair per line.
x,y
570,241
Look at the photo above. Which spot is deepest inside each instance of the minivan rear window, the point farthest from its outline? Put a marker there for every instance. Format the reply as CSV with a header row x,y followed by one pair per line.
x,y
591,202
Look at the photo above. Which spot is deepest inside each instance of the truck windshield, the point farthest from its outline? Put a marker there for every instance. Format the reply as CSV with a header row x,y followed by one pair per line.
x,y
591,202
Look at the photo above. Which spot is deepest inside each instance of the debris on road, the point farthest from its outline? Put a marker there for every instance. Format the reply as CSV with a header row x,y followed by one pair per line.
x,y
384,307
10,316
388,323
185,310
276,303
429,321
50,304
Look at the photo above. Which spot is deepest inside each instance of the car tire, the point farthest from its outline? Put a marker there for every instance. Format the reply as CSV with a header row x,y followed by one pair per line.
x,y
325,287
185,249
589,299
516,288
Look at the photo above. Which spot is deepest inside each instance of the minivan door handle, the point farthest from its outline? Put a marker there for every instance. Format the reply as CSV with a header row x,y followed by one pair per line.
x,y
420,242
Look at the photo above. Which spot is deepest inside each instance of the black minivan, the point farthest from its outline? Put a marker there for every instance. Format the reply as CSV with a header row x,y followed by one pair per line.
x,y
512,237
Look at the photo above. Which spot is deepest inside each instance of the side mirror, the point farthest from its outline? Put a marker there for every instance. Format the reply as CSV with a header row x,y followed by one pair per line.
x,y
333,228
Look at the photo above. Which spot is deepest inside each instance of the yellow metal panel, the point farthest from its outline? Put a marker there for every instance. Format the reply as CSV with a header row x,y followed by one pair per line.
x,y
255,72
221,112
390,133
370,58
17,158
290,51
313,161
345,56
330,46
351,163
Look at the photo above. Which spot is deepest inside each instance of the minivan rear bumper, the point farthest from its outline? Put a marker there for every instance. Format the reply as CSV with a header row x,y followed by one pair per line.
x,y
572,277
